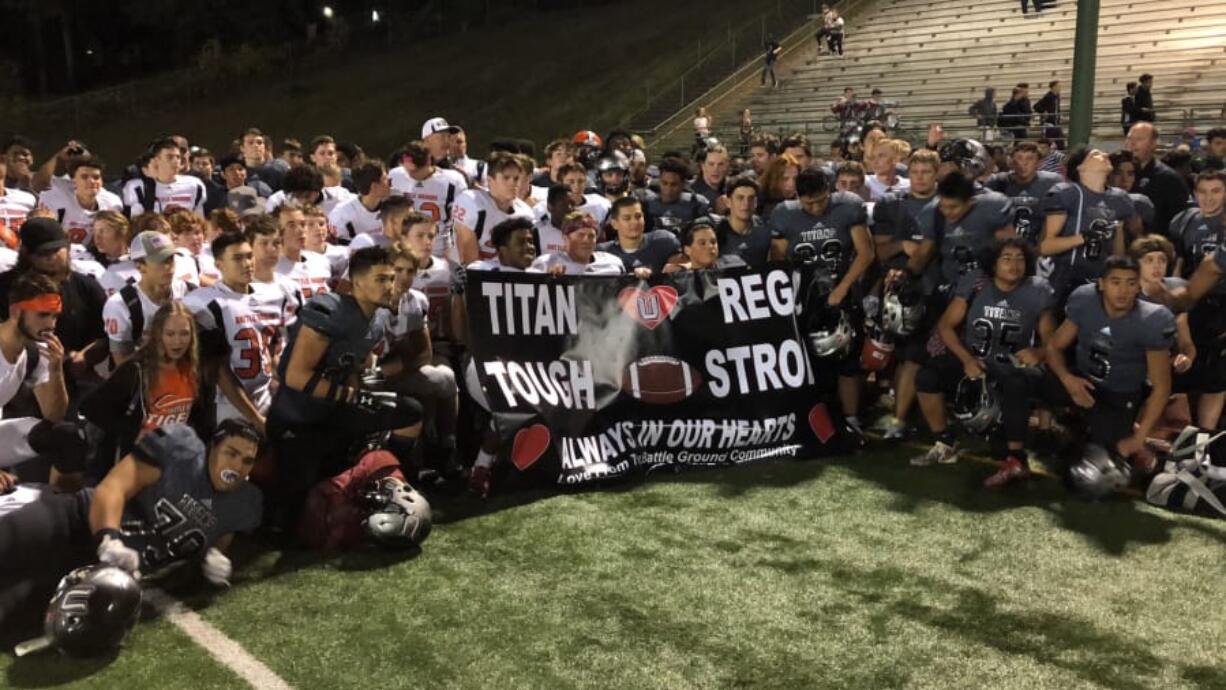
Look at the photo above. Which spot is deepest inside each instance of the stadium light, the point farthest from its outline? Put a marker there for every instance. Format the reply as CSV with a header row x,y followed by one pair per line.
x,y
327,11
374,16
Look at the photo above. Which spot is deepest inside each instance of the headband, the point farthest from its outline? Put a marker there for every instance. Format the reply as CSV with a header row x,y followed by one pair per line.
x,y
46,302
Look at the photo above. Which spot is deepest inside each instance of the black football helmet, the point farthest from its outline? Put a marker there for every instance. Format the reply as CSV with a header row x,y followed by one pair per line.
x,y
975,405
92,610
970,156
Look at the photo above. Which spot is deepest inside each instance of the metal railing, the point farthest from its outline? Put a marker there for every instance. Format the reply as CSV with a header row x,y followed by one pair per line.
x,y
722,53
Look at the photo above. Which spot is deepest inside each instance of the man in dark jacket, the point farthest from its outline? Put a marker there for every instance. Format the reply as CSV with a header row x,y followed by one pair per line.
x,y
1155,179
1015,116
1128,107
1144,100
1048,109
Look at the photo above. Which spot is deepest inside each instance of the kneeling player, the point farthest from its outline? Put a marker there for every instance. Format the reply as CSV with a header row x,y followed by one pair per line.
x,y
999,315
321,410
1121,343
170,501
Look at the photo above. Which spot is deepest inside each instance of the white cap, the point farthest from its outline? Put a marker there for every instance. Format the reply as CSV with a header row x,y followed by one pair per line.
x,y
435,125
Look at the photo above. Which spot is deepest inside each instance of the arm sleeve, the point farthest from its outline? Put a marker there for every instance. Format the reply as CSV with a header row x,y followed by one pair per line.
x,y
118,324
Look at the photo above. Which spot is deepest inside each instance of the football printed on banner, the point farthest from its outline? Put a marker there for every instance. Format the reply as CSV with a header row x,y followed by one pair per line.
x,y
661,380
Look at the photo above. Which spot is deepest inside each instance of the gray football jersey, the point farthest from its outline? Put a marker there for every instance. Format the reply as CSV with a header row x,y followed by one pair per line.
x,y
895,216
962,242
182,515
1196,237
1111,352
1085,208
657,248
1027,199
673,216
1001,323
824,239
753,247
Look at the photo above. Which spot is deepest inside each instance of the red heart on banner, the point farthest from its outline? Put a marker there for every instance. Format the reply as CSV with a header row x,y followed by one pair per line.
x,y
648,307
819,422
530,444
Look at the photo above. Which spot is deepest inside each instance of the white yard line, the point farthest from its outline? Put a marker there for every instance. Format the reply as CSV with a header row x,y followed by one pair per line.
x,y
226,651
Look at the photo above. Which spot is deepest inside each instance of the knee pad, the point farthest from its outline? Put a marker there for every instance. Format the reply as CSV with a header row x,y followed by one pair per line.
x,y
63,442
442,381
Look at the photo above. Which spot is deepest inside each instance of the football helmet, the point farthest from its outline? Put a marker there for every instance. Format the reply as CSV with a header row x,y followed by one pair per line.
x,y
975,405
830,332
611,164
398,515
1099,473
902,310
878,350
970,156
93,608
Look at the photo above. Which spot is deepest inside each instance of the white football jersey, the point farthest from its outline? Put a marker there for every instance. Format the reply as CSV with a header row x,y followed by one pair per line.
x,y
187,191
434,196
550,240
15,205
410,317
596,206
276,304
474,169
78,222
190,267
478,211
118,275
434,282
352,218
602,263
329,198
231,319
117,317
370,239
311,272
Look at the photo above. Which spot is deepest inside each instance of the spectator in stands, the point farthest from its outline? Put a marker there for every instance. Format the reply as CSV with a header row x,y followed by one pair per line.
x,y
702,124
1015,116
1144,100
773,51
762,152
1038,6
1155,179
846,105
985,113
1128,107
746,131
1048,109
823,32
836,33
1213,157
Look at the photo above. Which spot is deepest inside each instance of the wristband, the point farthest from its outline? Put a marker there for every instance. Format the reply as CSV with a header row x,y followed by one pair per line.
x,y
101,535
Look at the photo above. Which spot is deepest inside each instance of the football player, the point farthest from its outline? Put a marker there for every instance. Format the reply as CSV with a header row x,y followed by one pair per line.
x,y
674,207
580,257
133,306
160,185
642,253
1122,349
995,326
479,210
275,299
360,214
232,337
549,235
432,190
170,501
1027,187
74,200
1084,222
743,232
316,240
831,231
322,408
310,270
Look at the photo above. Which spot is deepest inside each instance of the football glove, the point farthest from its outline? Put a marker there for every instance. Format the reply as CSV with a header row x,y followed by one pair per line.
x,y
112,551
375,401
373,377
216,568
1099,231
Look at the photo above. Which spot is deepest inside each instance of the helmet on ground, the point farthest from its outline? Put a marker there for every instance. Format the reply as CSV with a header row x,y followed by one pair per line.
x,y
93,608
398,515
1098,473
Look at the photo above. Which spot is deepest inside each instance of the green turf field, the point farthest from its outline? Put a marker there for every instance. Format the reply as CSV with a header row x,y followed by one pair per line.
x,y
859,572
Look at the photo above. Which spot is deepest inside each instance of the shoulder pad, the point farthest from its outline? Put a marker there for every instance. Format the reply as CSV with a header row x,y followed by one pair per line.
x,y
319,312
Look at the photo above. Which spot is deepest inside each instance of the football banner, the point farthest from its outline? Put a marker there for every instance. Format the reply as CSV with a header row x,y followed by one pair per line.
x,y
592,378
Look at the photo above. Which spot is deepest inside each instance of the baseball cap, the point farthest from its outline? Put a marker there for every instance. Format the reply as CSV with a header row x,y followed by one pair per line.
x,y
153,247
40,235
245,201
435,125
